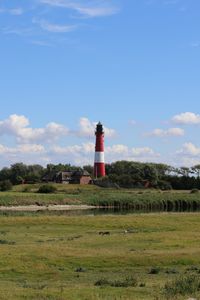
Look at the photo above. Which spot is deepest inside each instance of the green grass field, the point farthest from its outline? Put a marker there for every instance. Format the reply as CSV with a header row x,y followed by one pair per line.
x,y
61,258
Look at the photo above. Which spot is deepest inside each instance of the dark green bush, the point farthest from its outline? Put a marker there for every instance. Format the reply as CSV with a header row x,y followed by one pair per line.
x,y
154,271
4,242
142,284
192,269
194,191
127,282
102,282
5,185
164,185
171,271
26,189
47,189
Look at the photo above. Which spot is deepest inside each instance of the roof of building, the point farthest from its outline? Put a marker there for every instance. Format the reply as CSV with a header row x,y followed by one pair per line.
x,y
81,173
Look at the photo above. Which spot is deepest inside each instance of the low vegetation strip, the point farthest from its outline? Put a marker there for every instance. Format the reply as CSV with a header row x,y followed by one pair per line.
x,y
149,199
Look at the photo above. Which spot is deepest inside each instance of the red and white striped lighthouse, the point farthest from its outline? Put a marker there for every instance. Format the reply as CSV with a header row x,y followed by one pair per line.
x,y
99,162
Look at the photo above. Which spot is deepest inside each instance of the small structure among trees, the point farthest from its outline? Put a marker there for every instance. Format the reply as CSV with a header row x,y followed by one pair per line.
x,y
62,177
75,177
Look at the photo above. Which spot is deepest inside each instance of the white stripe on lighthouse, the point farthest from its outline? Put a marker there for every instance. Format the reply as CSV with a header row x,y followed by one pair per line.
x,y
99,157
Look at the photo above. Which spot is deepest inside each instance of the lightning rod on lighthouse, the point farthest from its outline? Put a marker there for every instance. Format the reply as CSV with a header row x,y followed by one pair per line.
x,y
99,162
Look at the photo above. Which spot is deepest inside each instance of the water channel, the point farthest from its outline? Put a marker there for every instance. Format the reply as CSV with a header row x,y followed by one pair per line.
x,y
97,212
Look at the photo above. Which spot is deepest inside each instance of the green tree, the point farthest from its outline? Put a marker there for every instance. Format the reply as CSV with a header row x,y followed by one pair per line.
x,y
5,174
196,170
18,173
5,185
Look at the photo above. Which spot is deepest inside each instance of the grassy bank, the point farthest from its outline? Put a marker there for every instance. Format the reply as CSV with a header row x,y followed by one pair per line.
x,y
43,257
92,195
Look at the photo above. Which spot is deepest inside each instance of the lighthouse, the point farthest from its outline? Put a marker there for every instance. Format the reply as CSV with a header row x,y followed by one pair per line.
x,y
99,162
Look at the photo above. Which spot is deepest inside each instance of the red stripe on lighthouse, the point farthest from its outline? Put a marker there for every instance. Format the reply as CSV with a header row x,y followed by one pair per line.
x,y
99,162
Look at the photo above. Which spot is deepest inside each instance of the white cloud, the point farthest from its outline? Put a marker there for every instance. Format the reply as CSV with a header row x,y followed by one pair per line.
x,y
13,11
16,11
23,149
66,150
26,153
41,43
85,8
85,148
188,161
188,155
87,129
32,146
145,151
43,18
55,28
117,149
171,132
17,126
189,149
13,124
123,152
97,11
25,31
84,153
187,118
75,154
3,149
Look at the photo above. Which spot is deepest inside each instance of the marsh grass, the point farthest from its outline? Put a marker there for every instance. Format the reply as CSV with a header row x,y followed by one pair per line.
x,y
49,249
184,285
4,242
124,283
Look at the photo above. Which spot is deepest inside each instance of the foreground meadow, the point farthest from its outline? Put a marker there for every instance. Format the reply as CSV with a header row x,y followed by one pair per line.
x,y
62,257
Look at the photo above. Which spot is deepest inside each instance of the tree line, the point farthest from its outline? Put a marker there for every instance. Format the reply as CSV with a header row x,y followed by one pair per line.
x,y
156,175
125,174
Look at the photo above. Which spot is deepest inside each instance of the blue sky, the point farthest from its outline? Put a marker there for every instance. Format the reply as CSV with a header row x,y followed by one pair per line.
x,y
66,64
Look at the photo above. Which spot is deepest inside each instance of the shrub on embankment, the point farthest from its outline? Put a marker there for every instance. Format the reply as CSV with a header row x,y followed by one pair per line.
x,y
47,189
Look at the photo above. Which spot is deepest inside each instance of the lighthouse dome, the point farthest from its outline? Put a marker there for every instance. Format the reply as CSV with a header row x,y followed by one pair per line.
x,y
99,128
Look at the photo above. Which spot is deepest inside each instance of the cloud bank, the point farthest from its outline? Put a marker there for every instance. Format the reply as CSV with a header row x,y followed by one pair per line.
x,y
187,118
85,8
56,142
18,127
43,144
171,132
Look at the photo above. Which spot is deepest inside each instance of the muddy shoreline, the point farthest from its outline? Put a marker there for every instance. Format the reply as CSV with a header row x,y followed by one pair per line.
x,y
46,207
